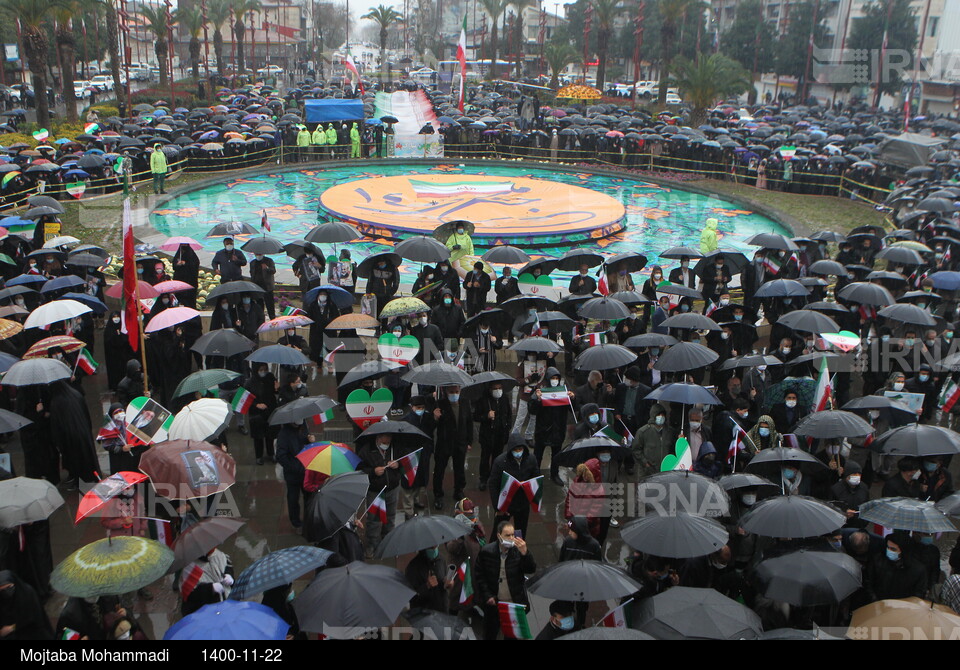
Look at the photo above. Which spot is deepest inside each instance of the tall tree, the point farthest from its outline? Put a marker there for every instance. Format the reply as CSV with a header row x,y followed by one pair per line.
x,y
604,13
63,32
750,40
384,17
190,22
897,20
33,15
794,44
672,14
218,13
156,20
494,9
520,7
113,42
705,81
240,10
558,54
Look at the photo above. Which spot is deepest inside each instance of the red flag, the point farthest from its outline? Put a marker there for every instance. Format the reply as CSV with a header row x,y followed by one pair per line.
x,y
602,287
130,280
264,221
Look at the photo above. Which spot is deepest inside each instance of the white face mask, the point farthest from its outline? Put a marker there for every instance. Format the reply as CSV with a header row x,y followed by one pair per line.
x,y
791,403
749,499
497,393
898,386
853,480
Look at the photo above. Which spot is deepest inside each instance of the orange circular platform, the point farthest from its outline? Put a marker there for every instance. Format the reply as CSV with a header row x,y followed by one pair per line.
x,y
512,210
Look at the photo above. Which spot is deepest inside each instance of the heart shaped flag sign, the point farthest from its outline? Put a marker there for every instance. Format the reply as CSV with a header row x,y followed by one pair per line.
x,y
76,189
400,350
91,128
540,286
366,409
41,135
681,460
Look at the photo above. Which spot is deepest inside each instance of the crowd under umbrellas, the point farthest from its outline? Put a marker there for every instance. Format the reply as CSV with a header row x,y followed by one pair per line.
x,y
794,474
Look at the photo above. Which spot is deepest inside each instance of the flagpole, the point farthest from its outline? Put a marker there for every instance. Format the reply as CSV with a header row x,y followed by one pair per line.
x,y
360,518
143,340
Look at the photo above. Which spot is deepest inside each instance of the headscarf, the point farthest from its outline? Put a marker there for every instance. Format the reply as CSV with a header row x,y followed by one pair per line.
x,y
754,434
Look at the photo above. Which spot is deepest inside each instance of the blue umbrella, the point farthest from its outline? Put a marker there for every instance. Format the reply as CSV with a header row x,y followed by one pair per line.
x,y
276,569
76,174
16,222
22,280
230,620
59,283
6,360
62,140
93,303
341,298
944,280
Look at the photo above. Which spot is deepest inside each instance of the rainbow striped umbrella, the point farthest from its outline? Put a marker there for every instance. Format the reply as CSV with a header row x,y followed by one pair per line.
x,y
329,458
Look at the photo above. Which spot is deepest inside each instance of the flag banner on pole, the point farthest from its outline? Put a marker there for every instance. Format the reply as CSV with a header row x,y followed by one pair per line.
x,y
264,221
593,339
609,433
130,280
86,362
737,444
534,490
329,357
242,401
949,395
462,57
791,440
554,396
822,396
411,463
323,417
772,264
603,288
352,67
617,617
378,508
159,530
466,579
627,435
508,488
69,634
513,621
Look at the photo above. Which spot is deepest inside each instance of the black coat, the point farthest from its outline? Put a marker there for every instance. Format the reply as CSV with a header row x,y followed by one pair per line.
x,y
486,575
418,571
454,434
522,470
582,284
449,319
496,431
289,443
372,458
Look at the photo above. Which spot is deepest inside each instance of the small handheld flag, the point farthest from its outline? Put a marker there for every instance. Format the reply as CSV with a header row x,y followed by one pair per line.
x,y
242,401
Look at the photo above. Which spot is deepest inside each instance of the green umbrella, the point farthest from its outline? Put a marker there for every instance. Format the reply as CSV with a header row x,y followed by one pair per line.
x,y
804,387
204,380
111,567
402,307
6,259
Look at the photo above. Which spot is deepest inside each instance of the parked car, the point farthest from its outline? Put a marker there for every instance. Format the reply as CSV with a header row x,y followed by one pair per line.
x,y
102,82
270,71
81,89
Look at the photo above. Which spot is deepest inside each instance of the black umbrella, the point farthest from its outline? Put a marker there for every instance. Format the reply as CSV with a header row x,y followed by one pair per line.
x,y
828,267
878,402
420,532
685,356
604,309
604,357
781,288
393,428
679,289
678,253
485,315
301,408
772,460
224,342
675,536
866,294
263,245
554,322
483,380
334,504
734,260
438,373
232,288
573,259
438,626
422,250
918,440
368,370
906,313
579,451
809,578
332,233
603,633
581,581
341,602
506,255
522,303
792,516
536,345
832,424
681,613
772,241
901,255
547,264
690,321
629,297
751,361
827,236
744,480
365,268
650,340
231,228
278,354
685,394
809,321
826,307
681,491
628,261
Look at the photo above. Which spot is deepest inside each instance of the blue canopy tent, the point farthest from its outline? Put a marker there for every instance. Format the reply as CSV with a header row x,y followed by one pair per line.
x,y
327,110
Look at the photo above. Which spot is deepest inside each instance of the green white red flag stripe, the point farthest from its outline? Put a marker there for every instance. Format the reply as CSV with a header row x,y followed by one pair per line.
x,y
508,488
411,463
462,57
513,621
242,401
617,617
86,362
824,391
554,396
534,490
378,508
466,580
429,189
949,395
323,417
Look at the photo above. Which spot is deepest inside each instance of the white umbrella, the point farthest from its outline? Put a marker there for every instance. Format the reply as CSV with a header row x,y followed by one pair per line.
x,y
24,500
54,312
61,241
36,371
200,420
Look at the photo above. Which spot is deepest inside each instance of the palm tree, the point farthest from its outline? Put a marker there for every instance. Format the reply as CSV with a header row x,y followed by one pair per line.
x,y
520,6
671,15
558,56
704,81
218,12
494,8
66,48
32,15
604,12
240,10
384,17
190,20
113,44
156,19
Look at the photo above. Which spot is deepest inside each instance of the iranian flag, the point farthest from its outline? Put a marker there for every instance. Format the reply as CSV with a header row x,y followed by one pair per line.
x,y
466,579
264,221
508,488
352,67
323,417
513,621
554,396
593,339
462,57
617,617
609,433
378,508
681,459
86,362
438,189
130,311
534,490
535,329
710,307
791,440
242,401
821,397
290,310
949,395
736,444
190,581
411,463
329,357
69,634
772,264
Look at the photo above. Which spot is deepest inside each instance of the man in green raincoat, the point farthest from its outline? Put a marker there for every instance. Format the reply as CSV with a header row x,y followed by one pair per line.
x,y
332,140
459,243
158,168
708,237
319,139
303,143
354,142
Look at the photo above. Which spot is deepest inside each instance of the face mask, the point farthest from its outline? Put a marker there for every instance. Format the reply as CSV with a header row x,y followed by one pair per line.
x,y
246,301
291,332
657,277
300,385
381,265
684,263
724,302
506,544
432,553
684,308
853,481
116,319
926,540
567,623
398,332
383,447
893,555
229,247
788,301
497,393
604,458
165,301
459,231
423,320
791,403
785,351
764,432
660,420
484,331
554,381
930,467
789,474
694,425
909,342
853,309
738,317
119,417
761,368
724,335
448,301
948,335
851,276
453,397
321,299
922,305
923,378
655,351
517,453
898,386
884,338
259,257
124,636
419,412
139,271
749,499
225,306
916,476
745,415
633,316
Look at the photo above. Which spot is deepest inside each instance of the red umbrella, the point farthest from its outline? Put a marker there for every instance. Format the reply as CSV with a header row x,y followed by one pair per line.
x,y
105,491
145,290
